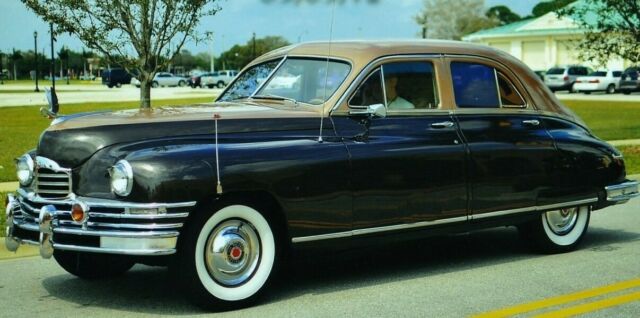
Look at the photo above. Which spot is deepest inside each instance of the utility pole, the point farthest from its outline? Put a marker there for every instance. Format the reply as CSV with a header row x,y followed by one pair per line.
x,y
424,32
35,53
253,52
1,69
212,66
53,60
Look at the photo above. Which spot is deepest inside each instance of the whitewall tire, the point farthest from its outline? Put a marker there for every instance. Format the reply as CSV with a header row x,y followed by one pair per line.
x,y
228,257
557,231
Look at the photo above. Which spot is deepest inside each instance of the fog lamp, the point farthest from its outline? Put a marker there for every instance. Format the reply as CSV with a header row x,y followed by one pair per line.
x,y
79,212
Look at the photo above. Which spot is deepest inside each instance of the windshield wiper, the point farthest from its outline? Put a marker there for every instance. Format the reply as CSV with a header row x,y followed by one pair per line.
x,y
274,97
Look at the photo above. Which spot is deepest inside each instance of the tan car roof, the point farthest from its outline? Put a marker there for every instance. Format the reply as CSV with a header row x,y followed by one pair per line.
x,y
361,53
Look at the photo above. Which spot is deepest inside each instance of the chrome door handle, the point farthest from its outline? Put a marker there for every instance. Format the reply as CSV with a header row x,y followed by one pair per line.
x,y
532,122
444,124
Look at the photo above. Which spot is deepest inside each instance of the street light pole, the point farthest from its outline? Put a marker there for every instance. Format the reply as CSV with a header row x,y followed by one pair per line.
x,y
53,60
35,54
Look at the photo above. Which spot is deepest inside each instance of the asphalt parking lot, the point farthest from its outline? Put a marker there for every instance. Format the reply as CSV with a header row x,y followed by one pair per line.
x,y
456,276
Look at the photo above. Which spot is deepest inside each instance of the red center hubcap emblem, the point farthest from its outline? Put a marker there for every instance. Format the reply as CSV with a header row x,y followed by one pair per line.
x,y
236,252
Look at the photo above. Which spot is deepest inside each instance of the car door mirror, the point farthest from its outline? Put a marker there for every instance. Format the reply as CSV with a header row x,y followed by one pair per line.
x,y
374,111
52,109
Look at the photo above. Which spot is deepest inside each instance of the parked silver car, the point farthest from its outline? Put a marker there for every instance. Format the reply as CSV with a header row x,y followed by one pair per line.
x,y
562,78
164,79
218,79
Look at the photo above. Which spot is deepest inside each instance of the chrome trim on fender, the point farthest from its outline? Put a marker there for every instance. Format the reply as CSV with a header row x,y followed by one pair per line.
x,y
377,230
438,222
540,208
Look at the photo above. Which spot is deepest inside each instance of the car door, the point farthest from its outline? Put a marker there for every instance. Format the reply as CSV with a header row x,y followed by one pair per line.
x,y
511,153
407,169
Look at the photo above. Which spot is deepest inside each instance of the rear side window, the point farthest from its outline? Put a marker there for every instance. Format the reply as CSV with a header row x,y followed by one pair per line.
x,y
600,74
474,85
617,74
509,96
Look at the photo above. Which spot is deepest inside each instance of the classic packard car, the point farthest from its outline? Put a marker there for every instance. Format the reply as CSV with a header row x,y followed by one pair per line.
x,y
314,144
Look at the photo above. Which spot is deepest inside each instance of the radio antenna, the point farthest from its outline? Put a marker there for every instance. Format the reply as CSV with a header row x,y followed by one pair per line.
x,y
326,71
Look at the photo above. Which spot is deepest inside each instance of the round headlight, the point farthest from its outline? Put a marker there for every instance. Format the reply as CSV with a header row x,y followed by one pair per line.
x,y
24,170
121,178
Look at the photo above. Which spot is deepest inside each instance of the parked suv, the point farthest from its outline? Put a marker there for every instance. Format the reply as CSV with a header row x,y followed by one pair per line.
x,y
630,80
562,78
218,79
115,77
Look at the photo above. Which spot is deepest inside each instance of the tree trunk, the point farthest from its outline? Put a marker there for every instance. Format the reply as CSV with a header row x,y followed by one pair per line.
x,y
15,74
145,93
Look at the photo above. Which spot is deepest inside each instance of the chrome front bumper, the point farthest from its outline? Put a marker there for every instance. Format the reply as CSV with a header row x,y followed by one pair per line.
x,y
622,192
113,227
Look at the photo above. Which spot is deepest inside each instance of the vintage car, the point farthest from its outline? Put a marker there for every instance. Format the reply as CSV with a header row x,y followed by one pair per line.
x,y
355,141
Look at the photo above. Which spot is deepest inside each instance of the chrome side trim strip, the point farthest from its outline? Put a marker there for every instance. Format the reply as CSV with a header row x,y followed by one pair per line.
x,y
438,222
540,208
376,230
114,250
137,234
153,226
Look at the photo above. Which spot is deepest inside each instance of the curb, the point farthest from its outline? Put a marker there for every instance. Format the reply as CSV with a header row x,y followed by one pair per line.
x,y
23,251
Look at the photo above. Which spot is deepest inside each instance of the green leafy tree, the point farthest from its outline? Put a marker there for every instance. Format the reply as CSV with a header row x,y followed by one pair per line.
x,y
143,36
240,55
15,57
502,14
442,21
612,29
545,7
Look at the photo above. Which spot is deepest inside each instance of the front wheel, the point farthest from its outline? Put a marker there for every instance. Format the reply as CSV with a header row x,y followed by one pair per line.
x,y
557,231
182,83
227,257
92,265
155,84
611,89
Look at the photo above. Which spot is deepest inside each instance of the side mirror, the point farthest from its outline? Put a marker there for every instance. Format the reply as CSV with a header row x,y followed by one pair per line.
x,y
375,111
52,99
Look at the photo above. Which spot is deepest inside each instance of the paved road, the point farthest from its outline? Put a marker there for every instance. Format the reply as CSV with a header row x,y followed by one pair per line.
x,y
455,276
599,96
73,94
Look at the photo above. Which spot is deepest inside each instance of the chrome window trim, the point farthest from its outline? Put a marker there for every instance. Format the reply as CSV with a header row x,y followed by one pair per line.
x,y
372,230
523,106
365,71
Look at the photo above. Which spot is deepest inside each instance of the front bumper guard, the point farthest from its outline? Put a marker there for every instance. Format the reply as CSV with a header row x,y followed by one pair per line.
x,y
133,239
622,192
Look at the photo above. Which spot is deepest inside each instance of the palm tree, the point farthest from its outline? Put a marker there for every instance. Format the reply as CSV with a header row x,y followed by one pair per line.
x,y
63,54
15,57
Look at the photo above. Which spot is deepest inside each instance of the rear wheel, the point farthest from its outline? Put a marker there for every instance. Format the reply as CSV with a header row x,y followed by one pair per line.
x,y
220,84
557,231
155,84
182,83
118,85
227,257
611,89
626,92
92,265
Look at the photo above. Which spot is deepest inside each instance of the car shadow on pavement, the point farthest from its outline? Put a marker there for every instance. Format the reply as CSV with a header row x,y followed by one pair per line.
x,y
149,290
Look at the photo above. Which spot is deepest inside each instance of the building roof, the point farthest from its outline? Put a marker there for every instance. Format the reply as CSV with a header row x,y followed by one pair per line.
x,y
548,24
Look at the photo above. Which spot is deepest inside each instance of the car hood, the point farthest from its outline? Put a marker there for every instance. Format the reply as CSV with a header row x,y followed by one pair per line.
x,y
73,139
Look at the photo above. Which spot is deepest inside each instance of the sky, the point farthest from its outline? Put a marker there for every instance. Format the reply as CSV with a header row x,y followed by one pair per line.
x,y
238,19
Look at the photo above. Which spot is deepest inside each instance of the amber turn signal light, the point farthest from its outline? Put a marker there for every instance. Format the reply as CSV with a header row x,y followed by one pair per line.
x,y
78,213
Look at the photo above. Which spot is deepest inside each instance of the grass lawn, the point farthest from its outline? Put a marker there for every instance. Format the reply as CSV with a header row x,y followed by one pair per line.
x,y
631,158
29,91
609,120
21,126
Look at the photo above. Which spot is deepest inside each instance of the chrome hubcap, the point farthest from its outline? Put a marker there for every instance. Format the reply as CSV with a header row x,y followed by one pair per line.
x,y
562,221
232,252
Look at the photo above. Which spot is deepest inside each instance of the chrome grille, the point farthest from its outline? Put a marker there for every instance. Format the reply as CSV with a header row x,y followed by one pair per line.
x,y
52,181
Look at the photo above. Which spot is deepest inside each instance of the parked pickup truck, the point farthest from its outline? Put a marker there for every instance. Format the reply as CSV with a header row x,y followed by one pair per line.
x,y
218,79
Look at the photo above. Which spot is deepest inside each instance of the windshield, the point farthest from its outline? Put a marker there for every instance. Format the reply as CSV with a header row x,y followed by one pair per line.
x,y
310,81
555,71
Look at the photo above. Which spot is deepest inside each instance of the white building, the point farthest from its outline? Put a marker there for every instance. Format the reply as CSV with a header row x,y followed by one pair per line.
x,y
541,42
